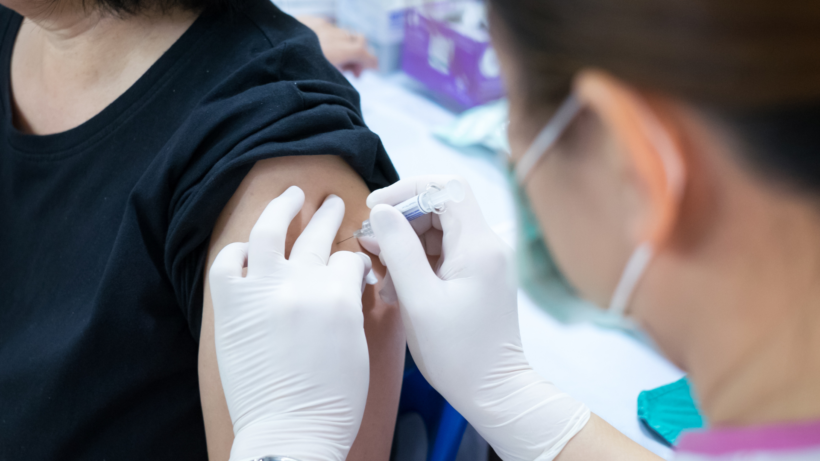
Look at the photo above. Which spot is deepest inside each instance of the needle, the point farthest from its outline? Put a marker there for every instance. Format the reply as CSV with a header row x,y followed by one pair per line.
x,y
345,240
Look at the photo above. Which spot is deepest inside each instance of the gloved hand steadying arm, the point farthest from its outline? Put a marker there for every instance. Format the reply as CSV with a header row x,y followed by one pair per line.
x,y
462,327
290,340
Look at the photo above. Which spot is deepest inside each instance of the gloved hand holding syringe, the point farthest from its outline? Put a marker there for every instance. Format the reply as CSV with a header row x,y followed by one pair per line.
x,y
433,200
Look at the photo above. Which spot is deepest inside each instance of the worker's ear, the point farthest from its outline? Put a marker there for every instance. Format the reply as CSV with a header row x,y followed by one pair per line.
x,y
651,158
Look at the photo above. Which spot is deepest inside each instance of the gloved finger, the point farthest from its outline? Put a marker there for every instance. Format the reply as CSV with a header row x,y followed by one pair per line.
x,y
229,262
432,239
388,291
350,268
405,189
467,212
369,276
266,246
313,246
370,244
436,222
421,225
401,251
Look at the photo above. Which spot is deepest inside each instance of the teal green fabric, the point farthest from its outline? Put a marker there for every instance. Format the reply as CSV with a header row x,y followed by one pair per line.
x,y
670,410
543,282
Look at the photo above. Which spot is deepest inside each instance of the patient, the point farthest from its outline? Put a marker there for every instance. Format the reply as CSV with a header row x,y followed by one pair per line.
x,y
138,138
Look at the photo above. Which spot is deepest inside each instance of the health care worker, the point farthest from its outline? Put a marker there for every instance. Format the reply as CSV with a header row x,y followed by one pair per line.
x,y
666,157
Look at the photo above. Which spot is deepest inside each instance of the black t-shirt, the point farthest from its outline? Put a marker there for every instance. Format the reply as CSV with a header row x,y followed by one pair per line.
x,y
104,230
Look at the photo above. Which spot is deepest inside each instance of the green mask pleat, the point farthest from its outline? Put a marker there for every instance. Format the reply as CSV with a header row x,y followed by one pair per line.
x,y
670,410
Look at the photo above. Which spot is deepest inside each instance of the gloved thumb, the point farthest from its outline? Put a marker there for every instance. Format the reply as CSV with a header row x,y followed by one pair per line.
x,y
370,244
401,250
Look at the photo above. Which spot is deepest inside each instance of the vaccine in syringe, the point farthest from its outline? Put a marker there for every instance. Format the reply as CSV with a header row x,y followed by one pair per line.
x,y
433,200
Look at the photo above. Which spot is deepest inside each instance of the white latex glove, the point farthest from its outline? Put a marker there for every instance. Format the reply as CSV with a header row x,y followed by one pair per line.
x,y
290,337
462,327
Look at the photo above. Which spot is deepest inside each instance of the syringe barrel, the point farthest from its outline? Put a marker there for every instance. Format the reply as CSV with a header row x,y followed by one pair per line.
x,y
431,201
410,208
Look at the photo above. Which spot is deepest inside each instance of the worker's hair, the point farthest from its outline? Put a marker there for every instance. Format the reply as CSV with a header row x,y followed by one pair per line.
x,y
754,64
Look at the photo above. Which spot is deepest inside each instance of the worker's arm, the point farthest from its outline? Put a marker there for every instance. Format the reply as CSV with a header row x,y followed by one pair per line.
x,y
317,176
471,352
599,440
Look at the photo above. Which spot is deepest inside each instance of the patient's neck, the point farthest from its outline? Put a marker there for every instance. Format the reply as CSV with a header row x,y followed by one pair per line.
x,y
68,64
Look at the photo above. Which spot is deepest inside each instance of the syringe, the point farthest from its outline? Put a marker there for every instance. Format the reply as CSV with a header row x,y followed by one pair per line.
x,y
433,200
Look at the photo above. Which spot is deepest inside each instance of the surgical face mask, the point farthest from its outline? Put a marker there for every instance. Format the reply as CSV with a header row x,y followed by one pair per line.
x,y
537,272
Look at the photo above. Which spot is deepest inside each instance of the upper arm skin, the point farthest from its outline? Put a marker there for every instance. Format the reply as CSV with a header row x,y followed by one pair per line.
x,y
317,176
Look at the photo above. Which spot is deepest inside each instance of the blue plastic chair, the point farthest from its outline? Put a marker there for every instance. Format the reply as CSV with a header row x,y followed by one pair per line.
x,y
444,425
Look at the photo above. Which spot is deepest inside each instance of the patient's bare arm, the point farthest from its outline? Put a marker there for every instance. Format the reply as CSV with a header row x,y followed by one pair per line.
x,y
318,176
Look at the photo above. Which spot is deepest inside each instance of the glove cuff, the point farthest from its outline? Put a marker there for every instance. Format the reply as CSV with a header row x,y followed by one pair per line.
x,y
528,419
255,442
273,458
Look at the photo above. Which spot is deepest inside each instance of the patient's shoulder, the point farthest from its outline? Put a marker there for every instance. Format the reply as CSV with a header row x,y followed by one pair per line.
x,y
261,39
257,66
5,15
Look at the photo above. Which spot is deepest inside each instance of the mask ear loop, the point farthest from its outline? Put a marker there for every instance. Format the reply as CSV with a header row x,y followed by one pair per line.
x,y
633,272
547,137
674,172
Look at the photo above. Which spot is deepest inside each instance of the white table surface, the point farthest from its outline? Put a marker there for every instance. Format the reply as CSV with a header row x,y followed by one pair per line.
x,y
604,369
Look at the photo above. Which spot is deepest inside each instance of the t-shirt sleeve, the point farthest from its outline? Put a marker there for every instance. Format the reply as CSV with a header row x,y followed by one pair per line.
x,y
265,111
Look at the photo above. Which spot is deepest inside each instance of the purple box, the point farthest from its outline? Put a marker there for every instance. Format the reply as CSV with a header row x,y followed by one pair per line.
x,y
455,66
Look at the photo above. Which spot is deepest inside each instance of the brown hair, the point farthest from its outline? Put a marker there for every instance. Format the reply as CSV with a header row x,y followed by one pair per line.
x,y
123,8
753,63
